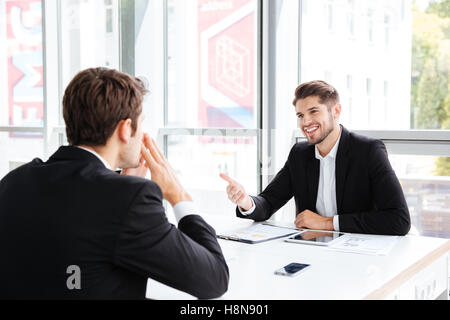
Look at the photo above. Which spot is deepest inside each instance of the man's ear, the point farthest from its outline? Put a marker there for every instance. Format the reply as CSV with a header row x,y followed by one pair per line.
x,y
124,130
337,110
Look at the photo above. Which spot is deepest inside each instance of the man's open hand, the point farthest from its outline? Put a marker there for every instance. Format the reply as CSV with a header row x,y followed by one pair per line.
x,y
237,194
162,173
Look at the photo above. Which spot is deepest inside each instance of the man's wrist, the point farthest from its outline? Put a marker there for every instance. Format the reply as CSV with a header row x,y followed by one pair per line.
x,y
178,197
183,209
329,225
248,206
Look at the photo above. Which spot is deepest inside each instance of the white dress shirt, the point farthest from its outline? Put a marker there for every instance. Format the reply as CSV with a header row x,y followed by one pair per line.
x,y
326,205
180,210
326,194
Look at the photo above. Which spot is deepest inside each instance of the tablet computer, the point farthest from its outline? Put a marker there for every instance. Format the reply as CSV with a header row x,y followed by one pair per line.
x,y
315,237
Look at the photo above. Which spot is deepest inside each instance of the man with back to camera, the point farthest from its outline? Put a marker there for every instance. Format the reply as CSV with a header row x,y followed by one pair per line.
x,y
73,228
341,181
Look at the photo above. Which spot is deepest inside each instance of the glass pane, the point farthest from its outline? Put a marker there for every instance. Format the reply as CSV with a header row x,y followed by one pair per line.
x,y
395,53
198,162
430,94
17,150
212,63
426,184
21,56
89,36
283,79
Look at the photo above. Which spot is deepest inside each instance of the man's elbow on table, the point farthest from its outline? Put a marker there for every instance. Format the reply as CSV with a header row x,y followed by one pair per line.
x,y
404,223
214,286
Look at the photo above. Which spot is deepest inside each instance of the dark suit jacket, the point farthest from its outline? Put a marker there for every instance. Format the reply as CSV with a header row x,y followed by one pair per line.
x,y
368,194
71,210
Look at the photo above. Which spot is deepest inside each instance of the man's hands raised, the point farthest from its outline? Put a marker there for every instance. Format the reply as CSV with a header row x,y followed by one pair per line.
x,y
162,173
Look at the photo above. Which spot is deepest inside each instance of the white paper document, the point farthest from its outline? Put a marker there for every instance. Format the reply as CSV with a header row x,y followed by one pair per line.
x,y
364,244
282,224
257,233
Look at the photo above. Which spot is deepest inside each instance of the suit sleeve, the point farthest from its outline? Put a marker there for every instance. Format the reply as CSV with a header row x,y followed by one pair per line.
x,y
187,258
391,214
275,195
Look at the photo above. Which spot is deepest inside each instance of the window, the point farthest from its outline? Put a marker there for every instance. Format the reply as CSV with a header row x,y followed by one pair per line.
x,y
415,61
369,99
22,85
212,83
387,26
386,99
370,25
348,115
78,35
328,76
199,159
369,87
426,192
330,15
109,16
430,96
212,52
351,18
222,76
21,53
349,83
395,89
89,36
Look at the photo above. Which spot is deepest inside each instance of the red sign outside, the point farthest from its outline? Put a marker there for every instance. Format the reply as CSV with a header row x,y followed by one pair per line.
x,y
25,64
227,45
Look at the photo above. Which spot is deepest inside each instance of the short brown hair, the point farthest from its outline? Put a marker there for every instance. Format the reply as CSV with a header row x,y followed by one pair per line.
x,y
96,100
319,88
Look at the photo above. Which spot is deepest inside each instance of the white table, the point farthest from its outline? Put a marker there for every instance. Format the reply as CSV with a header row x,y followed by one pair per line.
x,y
415,268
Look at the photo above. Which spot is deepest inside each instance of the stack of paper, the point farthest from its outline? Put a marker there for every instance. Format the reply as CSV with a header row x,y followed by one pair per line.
x,y
257,233
364,244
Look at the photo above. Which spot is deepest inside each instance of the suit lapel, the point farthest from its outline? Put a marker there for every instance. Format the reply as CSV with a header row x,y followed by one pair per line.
x,y
342,162
313,173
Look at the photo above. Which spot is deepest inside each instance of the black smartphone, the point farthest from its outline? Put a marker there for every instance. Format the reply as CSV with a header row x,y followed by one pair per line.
x,y
292,269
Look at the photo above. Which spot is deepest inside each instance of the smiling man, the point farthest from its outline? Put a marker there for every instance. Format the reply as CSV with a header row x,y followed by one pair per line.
x,y
340,180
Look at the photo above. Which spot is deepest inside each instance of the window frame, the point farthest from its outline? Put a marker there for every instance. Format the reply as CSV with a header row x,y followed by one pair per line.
x,y
404,142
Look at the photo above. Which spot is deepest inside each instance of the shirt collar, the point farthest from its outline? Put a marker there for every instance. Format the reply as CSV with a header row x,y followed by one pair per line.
x,y
332,153
98,156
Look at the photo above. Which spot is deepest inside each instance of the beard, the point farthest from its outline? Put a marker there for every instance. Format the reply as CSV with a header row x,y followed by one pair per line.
x,y
328,129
